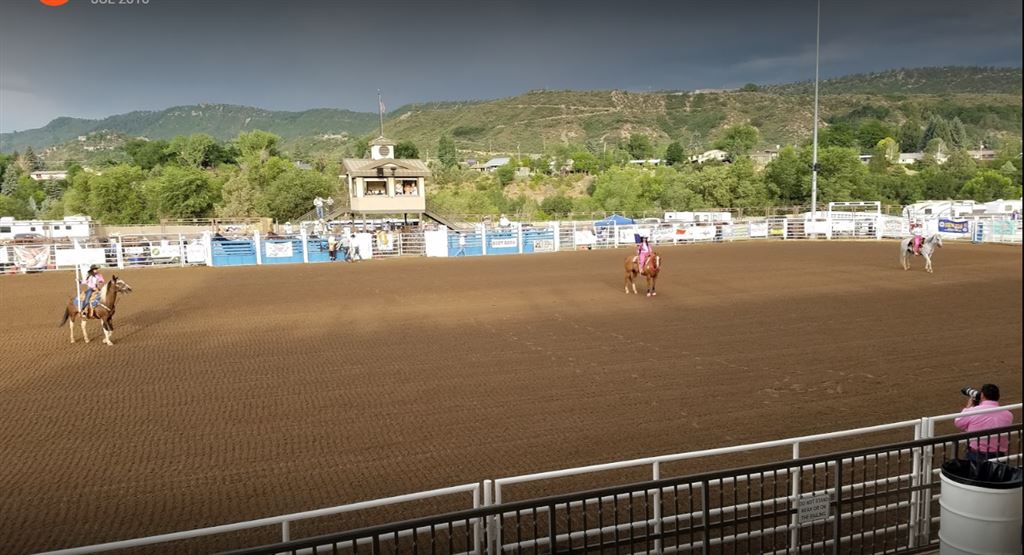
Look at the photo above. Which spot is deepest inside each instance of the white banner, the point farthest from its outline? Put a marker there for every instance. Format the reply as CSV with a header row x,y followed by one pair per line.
x,y
758,229
80,257
699,233
543,245
278,250
32,258
165,249
3,255
195,253
505,243
585,237
436,242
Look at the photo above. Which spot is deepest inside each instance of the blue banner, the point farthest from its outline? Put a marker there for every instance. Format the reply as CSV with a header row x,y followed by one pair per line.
x,y
954,226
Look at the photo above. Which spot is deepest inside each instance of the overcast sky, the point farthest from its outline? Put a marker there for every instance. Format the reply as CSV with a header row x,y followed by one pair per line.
x,y
89,60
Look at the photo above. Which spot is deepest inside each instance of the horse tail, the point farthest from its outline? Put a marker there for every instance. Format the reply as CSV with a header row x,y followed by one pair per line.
x,y
67,315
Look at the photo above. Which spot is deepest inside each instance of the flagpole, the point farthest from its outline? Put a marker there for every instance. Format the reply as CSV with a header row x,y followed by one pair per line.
x,y
380,110
814,161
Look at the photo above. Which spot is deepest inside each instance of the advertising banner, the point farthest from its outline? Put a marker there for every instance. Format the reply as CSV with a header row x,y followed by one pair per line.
x,y
195,253
504,243
544,245
79,257
279,250
164,249
954,226
32,258
758,229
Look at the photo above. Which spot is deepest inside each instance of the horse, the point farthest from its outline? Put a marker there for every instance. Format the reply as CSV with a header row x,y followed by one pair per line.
x,y
927,250
104,310
652,266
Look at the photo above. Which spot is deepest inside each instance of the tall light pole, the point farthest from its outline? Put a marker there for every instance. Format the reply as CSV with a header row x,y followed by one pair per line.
x,y
814,160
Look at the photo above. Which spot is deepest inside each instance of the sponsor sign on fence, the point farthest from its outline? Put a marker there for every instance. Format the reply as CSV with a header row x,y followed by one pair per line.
x,y
32,258
164,249
758,229
79,257
954,226
195,253
279,250
544,245
504,243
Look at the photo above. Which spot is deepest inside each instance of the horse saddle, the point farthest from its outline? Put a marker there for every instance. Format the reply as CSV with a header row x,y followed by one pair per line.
x,y
80,302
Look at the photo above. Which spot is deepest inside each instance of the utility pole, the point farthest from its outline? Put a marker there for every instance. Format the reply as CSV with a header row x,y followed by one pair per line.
x,y
814,160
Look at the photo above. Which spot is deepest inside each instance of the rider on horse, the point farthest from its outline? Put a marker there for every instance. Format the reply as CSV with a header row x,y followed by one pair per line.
x,y
917,229
93,282
643,252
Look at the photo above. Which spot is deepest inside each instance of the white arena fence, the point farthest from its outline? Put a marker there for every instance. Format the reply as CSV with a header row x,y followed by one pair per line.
x,y
478,240
901,482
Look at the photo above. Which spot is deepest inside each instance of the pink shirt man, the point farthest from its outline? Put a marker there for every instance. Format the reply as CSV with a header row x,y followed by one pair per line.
x,y
979,422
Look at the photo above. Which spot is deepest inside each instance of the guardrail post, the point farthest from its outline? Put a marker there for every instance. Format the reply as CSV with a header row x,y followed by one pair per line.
x,y
915,494
259,248
286,534
794,477
119,253
926,475
181,249
519,233
304,237
615,233
557,236
208,243
478,537
656,475
483,238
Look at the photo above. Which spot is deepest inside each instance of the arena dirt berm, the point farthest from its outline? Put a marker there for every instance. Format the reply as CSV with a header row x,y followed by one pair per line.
x,y
237,393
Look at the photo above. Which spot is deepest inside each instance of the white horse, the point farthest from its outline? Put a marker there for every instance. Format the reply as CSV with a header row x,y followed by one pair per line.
x,y
927,250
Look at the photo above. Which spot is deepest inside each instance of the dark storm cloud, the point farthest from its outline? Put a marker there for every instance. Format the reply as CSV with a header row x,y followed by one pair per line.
x,y
92,60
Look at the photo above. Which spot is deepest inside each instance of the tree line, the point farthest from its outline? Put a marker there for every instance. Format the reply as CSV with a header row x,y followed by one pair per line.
x,y
195,176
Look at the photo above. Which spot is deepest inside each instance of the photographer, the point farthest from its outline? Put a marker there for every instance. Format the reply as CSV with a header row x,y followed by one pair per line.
x,y
984,448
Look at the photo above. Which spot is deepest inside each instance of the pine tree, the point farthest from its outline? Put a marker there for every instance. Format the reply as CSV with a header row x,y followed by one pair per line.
x,y
10,181
30,161
958,133
446,152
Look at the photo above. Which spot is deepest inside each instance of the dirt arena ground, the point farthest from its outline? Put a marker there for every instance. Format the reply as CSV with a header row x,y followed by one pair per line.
x,y
239,393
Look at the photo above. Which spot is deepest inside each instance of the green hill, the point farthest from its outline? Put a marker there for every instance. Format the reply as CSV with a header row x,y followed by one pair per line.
x,y
986,100
923,80
222,121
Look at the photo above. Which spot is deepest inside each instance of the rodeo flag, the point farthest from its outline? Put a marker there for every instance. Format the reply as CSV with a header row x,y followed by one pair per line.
x,y
954,226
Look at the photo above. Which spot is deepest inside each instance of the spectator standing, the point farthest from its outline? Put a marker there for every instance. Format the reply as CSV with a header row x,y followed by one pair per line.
x,y
318,205
462,246
984,448
332,248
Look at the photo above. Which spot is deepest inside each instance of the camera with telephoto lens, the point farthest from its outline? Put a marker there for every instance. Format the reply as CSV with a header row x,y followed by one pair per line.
x,y
974,394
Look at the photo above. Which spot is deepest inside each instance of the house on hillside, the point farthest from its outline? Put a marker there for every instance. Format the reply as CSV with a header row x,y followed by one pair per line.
x,y
48,175
710,155
491,165
764,157
983,155
651,162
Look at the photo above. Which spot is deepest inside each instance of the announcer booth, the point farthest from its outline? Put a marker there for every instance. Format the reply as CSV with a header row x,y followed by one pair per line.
x,y
384,184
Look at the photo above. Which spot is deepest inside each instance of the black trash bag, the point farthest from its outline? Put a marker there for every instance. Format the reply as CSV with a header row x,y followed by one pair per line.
x,y
987,474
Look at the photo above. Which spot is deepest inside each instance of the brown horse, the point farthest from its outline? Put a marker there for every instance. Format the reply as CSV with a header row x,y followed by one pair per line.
x,y
104,311
651,269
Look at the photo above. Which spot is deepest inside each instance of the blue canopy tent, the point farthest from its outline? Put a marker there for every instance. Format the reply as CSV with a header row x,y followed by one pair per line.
x,y
614,219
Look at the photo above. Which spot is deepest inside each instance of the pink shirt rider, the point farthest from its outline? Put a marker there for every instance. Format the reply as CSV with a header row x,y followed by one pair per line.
x,y
93,281
643,250
980,422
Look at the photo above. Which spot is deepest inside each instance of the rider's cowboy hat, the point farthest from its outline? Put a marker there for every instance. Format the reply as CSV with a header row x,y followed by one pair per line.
x,y
93,267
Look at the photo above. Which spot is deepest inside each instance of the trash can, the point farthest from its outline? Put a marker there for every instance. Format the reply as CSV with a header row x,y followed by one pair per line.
x,y
981,508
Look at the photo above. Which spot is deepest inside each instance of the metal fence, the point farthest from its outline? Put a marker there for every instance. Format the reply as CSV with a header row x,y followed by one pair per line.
x,y
258,249
717,512
875,500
